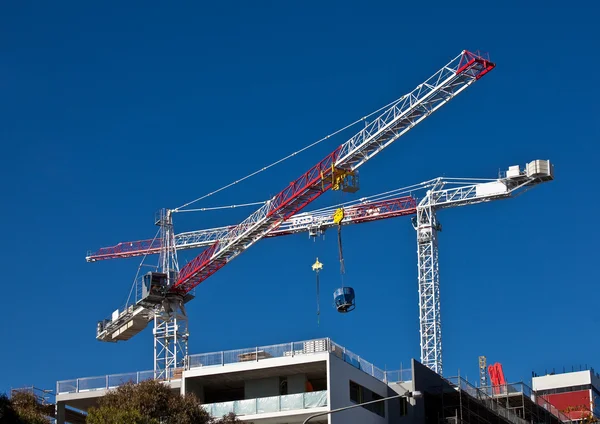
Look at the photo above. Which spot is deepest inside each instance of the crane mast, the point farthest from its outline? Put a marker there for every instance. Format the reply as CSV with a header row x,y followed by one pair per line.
x,y
427,227
429,286
165,293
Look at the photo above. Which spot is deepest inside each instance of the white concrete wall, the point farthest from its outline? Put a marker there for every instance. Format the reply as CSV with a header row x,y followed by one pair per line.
x,y
263,387
556,381
339,376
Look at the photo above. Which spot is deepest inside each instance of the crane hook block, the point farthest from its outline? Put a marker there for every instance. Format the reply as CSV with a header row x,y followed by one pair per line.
x,y
317,266
338,216
344,180
344,299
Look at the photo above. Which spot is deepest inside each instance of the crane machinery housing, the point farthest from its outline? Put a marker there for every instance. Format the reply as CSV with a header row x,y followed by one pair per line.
x,y
164,293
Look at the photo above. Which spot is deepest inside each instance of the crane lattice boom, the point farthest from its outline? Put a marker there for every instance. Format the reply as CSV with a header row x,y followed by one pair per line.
x,y
402,116
164,293
362,212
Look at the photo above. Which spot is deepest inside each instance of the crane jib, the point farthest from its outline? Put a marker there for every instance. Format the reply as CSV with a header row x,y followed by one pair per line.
x,y
307,187
403,115
288,202
470,65
469,60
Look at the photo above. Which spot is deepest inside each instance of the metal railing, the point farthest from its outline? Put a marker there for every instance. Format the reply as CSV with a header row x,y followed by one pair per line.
x,y
544,403
42,396
258,353
78,385
508,389
307,347
525,390
264,405
356,361
489,401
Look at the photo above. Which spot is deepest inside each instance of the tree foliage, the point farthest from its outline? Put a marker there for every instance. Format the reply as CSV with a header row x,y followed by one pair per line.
x,y
21,408
7,412
151,402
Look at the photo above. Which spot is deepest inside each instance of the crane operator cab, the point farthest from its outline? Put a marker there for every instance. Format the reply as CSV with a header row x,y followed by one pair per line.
x,y
344,299
154,285
155,289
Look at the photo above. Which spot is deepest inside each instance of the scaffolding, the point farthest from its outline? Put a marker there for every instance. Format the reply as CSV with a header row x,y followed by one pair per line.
x,y
456,401
524,401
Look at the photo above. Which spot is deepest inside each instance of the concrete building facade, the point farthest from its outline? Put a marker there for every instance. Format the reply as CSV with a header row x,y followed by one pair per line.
x,y
279,384
576,393
290,382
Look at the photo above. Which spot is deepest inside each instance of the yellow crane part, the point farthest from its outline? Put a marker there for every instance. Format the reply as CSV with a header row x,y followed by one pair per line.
x,y
317,266
338,216
342,179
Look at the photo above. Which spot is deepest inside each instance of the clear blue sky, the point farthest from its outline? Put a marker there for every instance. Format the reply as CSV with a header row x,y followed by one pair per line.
x,y
110,112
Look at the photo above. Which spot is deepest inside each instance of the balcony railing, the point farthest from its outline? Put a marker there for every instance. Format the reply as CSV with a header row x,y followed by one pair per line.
x,y
524,389
78,385
486,399
308,347
258,353
294,402
226,357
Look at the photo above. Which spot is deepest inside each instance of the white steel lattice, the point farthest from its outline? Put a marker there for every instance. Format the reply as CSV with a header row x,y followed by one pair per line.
x,y
429,289
229,242
394,122
170,340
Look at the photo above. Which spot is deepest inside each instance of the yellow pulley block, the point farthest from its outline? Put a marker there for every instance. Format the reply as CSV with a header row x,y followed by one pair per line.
x,y
317,266
338,216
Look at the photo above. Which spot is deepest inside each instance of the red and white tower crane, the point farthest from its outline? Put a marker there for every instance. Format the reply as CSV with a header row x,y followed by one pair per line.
x,y
164,293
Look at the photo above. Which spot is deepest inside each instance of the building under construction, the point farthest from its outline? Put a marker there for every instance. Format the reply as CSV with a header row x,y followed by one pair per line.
x,y
290,382
319,381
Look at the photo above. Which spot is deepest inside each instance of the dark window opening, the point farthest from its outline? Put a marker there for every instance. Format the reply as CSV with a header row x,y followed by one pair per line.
x,y
360,394
403,406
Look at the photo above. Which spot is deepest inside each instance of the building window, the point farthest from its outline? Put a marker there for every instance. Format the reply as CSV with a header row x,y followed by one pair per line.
x,y
565,389
403,406
360,394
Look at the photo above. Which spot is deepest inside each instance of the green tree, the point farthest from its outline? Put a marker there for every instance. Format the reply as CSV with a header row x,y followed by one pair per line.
x,y
150,402
7,412
22,408
229,419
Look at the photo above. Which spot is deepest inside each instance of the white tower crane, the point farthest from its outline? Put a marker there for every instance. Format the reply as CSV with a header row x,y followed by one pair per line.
x,y
165,292
427,226
439,193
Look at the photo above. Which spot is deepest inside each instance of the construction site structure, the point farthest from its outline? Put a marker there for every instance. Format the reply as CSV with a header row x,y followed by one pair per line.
x,y
483,380
165,292
293,381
